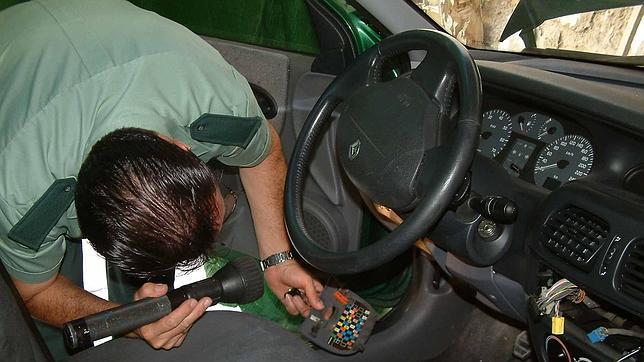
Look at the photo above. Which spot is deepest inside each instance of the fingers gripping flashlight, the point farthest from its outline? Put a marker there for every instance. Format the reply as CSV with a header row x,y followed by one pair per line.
x,y
240,281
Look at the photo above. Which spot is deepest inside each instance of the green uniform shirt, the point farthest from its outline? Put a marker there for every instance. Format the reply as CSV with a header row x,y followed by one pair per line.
x,y
71,72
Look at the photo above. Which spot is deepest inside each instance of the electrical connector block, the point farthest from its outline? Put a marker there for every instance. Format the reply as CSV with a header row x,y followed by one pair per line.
x,y
558,325
597,335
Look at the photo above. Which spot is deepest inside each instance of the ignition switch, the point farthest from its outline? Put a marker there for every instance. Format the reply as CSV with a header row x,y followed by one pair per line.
x,y
488,230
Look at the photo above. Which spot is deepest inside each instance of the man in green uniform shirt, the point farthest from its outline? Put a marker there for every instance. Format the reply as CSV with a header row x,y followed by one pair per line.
x,y
143,102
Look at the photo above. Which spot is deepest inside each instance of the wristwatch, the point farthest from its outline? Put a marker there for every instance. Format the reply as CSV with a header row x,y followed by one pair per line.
x,y
276,259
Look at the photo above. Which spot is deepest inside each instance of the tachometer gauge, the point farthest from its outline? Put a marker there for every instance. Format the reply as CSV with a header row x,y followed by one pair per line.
x,y
550,130
565,159
495,132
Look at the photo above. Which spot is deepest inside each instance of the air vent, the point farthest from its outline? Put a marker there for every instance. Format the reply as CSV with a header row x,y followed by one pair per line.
x,y
632,271
575,235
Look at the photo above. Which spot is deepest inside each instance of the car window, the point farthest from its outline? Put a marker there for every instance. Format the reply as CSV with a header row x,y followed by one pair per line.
x,y
612,28
281,24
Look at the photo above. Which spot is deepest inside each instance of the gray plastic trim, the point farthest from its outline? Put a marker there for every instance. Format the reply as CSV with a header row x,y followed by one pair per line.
x,y
324,167
502,294
326,185
396,15
423,325
266,68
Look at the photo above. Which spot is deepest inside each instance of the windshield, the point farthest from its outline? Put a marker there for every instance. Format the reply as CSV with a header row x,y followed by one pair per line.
x,y
604,30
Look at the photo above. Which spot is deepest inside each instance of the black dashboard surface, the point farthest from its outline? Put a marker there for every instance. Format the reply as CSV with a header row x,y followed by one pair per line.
x,y
562,143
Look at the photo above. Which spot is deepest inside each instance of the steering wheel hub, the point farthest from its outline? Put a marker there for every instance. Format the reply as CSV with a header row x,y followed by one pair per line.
x,y
384,133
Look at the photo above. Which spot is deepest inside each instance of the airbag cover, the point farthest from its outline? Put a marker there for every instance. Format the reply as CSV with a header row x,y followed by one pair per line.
x,y
383,134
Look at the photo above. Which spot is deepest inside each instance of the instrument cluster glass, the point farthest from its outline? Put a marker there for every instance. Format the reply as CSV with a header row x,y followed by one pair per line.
x,y
496,129
535,147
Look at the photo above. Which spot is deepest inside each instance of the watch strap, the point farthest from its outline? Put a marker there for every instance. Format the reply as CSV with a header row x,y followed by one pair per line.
x,y
275,259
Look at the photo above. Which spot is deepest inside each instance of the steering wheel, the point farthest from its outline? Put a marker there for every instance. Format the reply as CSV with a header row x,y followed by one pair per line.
x,y
389,143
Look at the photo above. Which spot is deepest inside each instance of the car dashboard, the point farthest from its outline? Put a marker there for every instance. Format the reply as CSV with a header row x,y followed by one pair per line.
x,y
570,153
535,146
586,169
549,147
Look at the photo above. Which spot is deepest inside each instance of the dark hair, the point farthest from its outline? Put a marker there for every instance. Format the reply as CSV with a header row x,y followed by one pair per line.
x,y
145,204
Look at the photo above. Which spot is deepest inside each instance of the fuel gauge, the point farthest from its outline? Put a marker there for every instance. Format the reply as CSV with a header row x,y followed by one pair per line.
x,y
525,123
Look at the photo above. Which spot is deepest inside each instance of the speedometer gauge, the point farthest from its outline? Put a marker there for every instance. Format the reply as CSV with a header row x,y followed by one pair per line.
x,y
565,159
495,132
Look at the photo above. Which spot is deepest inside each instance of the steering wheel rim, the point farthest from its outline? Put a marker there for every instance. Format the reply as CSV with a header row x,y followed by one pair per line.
x,y
452,168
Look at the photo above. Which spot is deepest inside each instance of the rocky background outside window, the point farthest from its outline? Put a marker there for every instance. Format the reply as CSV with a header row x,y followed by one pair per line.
x,y
479,23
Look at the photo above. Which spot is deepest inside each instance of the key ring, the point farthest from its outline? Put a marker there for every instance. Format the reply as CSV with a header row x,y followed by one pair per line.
x,y
294,292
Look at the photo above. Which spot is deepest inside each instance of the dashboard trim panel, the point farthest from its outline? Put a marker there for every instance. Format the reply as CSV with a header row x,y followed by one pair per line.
x,y
625,217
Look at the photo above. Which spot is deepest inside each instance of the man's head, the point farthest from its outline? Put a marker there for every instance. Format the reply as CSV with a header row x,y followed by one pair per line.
x,y
146,204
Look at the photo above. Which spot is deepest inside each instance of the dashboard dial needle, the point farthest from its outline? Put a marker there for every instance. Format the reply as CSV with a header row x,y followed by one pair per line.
x,y
541,168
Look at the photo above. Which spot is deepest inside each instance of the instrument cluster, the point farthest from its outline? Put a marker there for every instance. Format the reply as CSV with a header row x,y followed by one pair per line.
x,y
536,147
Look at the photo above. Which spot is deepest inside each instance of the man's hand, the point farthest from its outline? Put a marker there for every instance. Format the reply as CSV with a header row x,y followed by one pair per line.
x,y
290,274
170,331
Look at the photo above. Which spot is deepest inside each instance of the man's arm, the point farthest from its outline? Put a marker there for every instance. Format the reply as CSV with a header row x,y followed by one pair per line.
x,y
58,300
264,185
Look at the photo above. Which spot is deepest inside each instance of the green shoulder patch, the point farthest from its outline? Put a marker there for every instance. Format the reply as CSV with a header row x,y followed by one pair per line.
x,y
34,227
225,130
